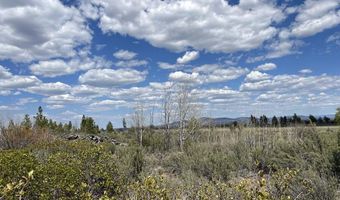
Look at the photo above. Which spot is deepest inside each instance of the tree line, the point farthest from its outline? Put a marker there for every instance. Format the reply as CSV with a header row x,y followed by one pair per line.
x,y
284,121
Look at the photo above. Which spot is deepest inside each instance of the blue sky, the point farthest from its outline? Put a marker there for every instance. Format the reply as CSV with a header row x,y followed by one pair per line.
x,y
102,58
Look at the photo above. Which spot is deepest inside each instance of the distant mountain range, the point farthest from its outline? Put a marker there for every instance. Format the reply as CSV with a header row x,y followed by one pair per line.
x,y
220,121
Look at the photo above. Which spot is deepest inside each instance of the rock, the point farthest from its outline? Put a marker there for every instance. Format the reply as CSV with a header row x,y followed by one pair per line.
x,y
72,137
95,138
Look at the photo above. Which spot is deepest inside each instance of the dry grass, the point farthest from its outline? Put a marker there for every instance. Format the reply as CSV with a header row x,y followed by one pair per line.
x,y
18,137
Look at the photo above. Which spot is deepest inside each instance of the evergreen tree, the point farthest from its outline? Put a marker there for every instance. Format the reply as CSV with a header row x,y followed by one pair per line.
x,y
275,121
337,116
124,123
109,127
296,119
327,120
69,126
265,121
253,121
26,122
40,120
320,121
312,119
283,121
11,124
88,125
60,128
82,124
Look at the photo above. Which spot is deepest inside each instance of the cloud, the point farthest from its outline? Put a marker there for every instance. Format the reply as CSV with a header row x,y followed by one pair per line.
x,y
131,63
214,94
183,77
53,107
18,82
24,101
27,32
59,67
8,108
86,90
305,71
210,25
64,99
266,67
272,97
315,17
282,47
4,73
188,57
164,65
134,94
48,89
107,104
290,83
334,38
161,86
5,92
207,68
257,76
220,75
312,17
111,77
124,54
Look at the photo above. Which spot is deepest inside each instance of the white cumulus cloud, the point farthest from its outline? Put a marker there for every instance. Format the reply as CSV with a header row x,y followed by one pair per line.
x,y
34,30
188,57
211,25
266,67
111,77
124,54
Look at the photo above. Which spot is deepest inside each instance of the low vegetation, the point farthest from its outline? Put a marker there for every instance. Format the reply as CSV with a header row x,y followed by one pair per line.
x,y
41,161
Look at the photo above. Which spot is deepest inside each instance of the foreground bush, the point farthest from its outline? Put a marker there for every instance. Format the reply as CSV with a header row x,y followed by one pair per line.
x,y
278,164
62,170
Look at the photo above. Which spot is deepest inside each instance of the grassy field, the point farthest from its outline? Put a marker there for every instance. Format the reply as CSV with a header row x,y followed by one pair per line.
x,y
216,163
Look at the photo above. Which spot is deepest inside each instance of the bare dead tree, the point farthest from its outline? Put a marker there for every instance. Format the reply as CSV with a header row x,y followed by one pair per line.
x,y
167,113
138,119
187,110
152,114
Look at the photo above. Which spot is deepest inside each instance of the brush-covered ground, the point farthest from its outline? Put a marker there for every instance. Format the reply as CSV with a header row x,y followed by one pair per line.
x,y
218,163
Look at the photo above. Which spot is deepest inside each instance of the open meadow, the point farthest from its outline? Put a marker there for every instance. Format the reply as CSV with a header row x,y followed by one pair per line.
x,y
300,162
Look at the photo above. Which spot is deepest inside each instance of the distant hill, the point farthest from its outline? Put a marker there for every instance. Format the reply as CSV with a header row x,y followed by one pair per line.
x,y
220,121
223,121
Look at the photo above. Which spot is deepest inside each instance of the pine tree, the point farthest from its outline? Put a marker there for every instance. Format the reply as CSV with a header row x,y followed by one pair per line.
x,y
26,122
69,126
88,125
337,116
327,120
283,121
265,121
296,119
82,124
275,121
124,123
312,119
320,121
109,127
40,120
11,124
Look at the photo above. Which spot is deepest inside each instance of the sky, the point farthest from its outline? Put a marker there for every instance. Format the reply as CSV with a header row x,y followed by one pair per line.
x,y
101,58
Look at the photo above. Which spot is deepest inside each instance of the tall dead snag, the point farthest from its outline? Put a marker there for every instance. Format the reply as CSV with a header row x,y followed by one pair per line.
x,y
138,119
187,110
167,113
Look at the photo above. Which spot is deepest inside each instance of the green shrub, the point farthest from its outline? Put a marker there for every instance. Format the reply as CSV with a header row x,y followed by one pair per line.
x,y
68,170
